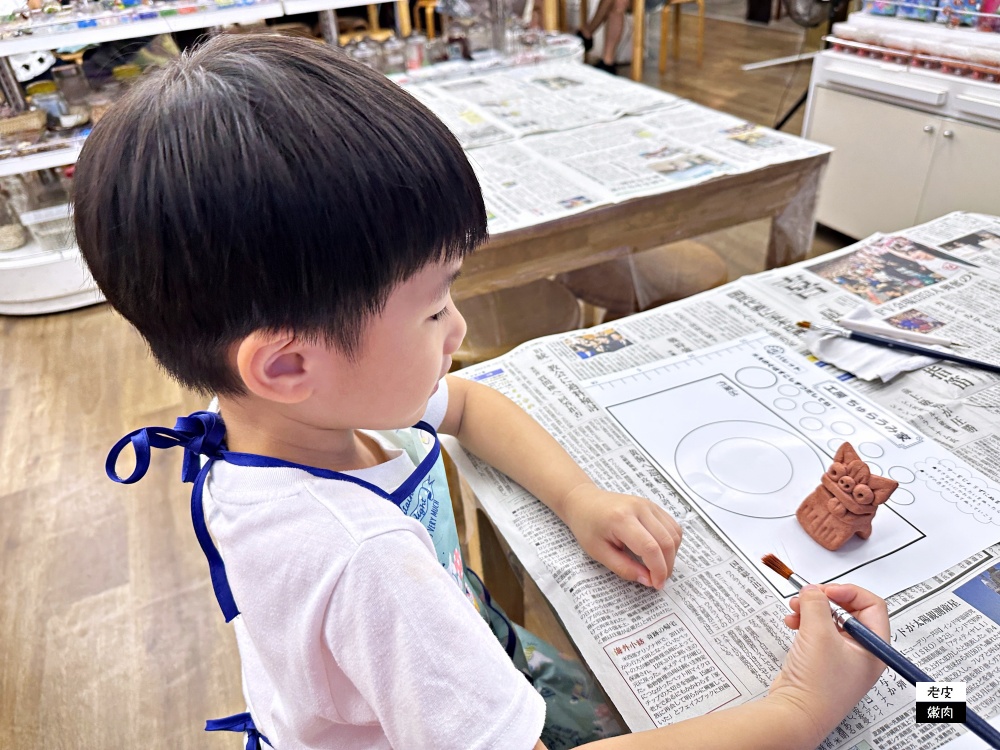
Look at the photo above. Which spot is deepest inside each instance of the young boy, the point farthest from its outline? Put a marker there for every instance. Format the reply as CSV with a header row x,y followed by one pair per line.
x,y
283,226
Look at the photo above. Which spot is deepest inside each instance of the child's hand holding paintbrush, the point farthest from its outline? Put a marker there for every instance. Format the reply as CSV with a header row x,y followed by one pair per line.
x,y
826,671
819,651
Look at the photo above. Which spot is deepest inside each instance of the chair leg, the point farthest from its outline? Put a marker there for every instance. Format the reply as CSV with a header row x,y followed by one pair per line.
x,y
676,9
701,31
638,30
373,24
664,38
403,24
429,16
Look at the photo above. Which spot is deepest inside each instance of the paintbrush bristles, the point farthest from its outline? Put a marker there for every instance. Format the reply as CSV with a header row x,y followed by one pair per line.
x,y
777,566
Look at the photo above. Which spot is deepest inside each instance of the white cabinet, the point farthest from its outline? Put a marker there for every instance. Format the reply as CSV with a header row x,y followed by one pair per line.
x,y
877,171
964,173
904,150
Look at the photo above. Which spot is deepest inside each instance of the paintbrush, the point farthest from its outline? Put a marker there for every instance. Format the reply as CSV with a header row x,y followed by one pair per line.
x,y
902,346
863,326
879,648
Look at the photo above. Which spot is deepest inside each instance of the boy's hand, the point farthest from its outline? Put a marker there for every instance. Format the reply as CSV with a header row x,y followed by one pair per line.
x,y
826,671
616,529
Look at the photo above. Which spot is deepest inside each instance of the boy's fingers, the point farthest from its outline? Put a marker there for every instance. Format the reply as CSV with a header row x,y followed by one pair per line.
x,y
644,545
863,604
814,609
668,539
623,565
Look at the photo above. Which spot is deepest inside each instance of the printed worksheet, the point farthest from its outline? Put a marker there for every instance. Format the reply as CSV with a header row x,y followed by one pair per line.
x,y
746,431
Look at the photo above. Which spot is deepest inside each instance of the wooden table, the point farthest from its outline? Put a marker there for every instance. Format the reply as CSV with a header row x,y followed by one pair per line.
x,y
784,192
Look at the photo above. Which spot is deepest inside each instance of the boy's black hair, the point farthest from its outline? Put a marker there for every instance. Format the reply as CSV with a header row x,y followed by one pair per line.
x,y
265,182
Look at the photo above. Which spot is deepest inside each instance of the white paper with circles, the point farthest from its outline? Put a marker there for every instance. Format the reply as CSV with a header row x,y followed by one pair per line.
x,y
746,429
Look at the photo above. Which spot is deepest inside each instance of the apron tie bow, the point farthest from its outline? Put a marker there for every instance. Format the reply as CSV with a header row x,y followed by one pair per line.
x,y
200,434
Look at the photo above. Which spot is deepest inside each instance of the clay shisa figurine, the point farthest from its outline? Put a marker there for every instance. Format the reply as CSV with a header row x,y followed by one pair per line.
x,y
845,502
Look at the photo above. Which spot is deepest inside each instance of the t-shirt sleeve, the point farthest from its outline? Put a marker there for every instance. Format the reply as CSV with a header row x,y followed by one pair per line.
x,y
421,656
437,405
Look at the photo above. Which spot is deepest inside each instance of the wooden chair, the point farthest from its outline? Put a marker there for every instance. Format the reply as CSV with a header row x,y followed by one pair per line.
x,y
428,7
375,30
674,6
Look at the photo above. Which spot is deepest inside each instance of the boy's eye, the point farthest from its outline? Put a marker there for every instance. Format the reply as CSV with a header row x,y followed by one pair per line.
x,y
439,315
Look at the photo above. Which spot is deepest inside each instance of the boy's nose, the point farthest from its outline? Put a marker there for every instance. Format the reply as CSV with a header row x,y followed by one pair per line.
x,y
457,333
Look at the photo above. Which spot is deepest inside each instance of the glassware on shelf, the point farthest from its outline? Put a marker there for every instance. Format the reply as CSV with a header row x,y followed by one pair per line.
x,y
44,188
368,52
46,95
393,55
49,216
437,50
72,83
12,233
458,42
479,36
416,51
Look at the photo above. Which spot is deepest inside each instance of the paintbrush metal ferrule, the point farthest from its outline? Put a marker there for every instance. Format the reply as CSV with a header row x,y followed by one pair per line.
x,y
824,328
797,581
840,614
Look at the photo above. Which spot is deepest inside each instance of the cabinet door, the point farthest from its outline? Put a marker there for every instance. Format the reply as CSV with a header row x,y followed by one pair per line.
x,y
876,176
964,174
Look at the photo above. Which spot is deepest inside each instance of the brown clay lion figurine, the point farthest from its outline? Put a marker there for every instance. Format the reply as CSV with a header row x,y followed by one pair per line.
x,y
845,502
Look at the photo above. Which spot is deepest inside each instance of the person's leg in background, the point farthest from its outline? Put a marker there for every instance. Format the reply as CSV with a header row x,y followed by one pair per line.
x,y
613,33
613,13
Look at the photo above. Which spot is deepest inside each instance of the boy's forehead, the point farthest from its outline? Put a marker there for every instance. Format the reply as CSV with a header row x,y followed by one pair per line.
x,y
438,277
430,283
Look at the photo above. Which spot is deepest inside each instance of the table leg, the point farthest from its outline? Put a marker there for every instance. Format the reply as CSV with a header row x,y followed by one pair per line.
x,y
638,40
550,15
497,573
793,227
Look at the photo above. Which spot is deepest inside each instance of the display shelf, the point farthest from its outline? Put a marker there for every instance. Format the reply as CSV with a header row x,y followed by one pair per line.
x,y
223,16
60,157
81,37
33,281
930,30
127,29
311,6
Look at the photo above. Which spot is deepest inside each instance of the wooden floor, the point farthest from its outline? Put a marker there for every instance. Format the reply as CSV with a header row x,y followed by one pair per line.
x,y
109,633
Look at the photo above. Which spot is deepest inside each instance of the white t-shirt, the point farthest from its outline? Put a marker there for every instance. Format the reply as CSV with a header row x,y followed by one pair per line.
x,y
351,633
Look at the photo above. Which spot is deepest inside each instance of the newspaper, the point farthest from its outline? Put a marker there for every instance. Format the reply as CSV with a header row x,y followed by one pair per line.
x,y
591,134
714,637
629,158
519,189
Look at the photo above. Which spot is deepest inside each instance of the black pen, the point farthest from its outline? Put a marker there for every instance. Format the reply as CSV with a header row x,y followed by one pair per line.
x,y
902,346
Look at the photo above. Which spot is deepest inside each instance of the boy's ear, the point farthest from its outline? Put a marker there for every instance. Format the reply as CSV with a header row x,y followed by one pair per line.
x,y
273,366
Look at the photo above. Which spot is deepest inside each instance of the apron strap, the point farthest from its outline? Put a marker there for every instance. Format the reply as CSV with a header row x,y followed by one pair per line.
x,y
200,434
239,723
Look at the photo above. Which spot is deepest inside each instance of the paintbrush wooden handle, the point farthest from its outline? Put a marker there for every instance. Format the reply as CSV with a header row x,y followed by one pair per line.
x,y
913,674
925,351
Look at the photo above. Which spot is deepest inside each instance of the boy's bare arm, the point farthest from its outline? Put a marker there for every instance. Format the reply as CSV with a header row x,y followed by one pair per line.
x,y
607,524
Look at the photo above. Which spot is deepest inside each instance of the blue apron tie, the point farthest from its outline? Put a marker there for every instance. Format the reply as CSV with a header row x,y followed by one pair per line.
x,y
201,434
239,723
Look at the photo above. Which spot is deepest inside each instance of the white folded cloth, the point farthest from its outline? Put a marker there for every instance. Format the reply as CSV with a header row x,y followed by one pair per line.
x,y
866,361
